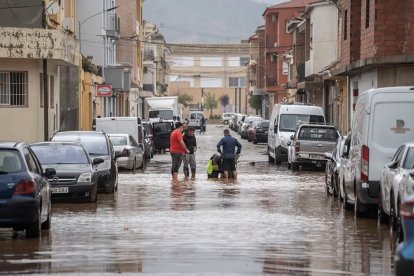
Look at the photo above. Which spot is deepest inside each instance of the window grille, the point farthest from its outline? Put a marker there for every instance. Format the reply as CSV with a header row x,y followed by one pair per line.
x,y
13,89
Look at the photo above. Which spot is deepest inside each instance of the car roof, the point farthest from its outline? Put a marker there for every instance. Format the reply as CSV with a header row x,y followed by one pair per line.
x,y
318,125
56,143
80,133
11,144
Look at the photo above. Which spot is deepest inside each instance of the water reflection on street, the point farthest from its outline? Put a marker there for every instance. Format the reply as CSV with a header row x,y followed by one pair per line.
x,y
269,221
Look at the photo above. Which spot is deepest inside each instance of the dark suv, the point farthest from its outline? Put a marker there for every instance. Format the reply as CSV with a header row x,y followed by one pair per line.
x,y
98,145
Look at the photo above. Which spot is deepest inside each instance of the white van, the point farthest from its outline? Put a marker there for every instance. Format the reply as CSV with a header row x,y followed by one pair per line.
x,y
383,120
194,119
284,120
122,125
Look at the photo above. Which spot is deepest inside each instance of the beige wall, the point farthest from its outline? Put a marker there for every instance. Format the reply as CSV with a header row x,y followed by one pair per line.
x,y
26,123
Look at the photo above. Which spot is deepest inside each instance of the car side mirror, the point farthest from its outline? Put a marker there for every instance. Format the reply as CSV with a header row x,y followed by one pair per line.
x,y
328,155
275,128
118,154
97,161
393,165
49,172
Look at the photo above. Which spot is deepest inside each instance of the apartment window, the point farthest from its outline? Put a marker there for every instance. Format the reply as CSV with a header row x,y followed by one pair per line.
x,y
367,9
211,82
237,82
285,68
211,61
13,89
346,25
183,61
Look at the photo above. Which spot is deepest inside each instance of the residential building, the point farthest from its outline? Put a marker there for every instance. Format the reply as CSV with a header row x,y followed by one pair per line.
x,y
211,70
129,52
277,41
98,29
375,46
35,54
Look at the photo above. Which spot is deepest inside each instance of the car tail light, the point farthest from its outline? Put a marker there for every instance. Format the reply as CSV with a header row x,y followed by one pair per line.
x,y
407,209
125,152
25,187
364,163
297,148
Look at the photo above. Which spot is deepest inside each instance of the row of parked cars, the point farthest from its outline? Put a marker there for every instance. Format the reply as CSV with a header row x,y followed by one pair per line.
x,y
75,165
253,128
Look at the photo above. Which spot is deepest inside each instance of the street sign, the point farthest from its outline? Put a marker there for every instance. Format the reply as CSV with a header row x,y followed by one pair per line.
x,y
104,90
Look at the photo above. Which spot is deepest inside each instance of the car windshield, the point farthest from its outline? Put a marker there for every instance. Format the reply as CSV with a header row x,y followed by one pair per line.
x,y
118,140
60,154
94,144
290,122
161,114
10,161
162,127
264,124
318,133
409,159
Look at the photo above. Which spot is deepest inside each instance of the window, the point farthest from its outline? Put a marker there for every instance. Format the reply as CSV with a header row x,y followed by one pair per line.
x,y
367,9
183,61
238,61
285,69
13,89
211,61
211,82
346,25
237,82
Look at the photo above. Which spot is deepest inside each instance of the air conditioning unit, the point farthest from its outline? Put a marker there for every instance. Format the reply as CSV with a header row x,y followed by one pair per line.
x,y
68,25
275,44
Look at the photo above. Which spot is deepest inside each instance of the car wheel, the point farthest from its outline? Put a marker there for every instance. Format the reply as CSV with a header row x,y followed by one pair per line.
x,y
289,165
393,215
278,161
270,158
93,195
381,215
48,223
334,187
347,205
134,166
295,166
110,184
33,230
359,210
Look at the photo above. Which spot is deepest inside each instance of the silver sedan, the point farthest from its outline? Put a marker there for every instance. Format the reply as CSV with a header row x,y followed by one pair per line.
x,y
132,153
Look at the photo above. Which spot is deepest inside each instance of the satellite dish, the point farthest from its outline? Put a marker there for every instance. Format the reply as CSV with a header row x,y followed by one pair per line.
x,y
53,8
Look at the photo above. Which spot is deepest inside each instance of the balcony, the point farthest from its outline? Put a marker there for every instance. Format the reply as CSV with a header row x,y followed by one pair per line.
x,y
33,43
113,27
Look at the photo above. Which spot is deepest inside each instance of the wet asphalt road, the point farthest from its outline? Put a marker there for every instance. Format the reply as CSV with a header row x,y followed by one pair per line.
x,y
270,221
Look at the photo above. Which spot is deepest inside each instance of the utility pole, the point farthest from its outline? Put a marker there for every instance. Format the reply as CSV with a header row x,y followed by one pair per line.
x,y
45,83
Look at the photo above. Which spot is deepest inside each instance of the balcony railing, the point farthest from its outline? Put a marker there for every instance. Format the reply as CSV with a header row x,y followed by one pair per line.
x,y
113,26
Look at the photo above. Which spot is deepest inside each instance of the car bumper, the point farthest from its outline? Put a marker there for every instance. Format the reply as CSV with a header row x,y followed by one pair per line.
x,y
18,211
261,138
125,162
368,192
76,191
316,162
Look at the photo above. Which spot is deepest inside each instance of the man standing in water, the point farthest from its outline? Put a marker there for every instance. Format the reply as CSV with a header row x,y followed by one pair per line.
x,y
228,153
177,149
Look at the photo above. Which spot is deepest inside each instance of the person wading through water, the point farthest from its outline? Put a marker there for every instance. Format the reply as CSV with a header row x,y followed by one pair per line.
x,y
191,144
177,149
227,147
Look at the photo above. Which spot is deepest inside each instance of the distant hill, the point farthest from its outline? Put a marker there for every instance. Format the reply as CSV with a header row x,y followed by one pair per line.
x,y
205,21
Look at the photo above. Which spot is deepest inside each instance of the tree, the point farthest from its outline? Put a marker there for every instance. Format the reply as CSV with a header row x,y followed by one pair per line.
x,y
224,100
255,102
211,103
185,99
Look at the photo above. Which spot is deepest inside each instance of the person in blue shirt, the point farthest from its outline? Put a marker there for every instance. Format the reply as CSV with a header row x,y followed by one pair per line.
x,y
229,147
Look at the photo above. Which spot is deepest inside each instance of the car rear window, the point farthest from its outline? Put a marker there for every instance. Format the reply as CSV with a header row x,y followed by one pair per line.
x,y
10,161
94,144
60,154
118,140
318,133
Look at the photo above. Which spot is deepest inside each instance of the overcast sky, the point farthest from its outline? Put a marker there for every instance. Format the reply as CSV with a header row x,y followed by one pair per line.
x,y
272,2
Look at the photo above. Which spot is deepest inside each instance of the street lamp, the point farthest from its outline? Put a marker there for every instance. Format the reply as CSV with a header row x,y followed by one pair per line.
x,y
86,19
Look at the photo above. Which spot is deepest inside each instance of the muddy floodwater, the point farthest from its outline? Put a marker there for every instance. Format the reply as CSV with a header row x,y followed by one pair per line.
x,y
269,221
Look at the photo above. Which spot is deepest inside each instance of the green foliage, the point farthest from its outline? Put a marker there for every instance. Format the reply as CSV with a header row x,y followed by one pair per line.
x,y
210,103
224,100
185,99
89,66
255,102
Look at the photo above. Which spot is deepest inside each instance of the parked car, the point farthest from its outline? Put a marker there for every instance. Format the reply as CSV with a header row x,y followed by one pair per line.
x,y
98,145
333,167
25,194
284,121
148,139
162,132
239,122
233,121
309,144
260,132
383,120
404,259
248,121
76,176
225,117
132,153
195,119
393,185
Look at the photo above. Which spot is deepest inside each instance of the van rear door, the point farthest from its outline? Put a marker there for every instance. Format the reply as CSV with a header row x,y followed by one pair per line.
x,y
392,124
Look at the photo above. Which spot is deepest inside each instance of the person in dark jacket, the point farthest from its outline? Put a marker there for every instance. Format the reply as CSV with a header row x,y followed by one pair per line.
x,y
229,147
191,144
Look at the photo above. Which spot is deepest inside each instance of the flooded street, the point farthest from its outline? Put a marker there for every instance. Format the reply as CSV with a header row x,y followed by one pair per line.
x,y
270,221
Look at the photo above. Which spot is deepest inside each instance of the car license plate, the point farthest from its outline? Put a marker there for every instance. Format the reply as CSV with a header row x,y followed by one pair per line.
x,y
318,157
60,190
